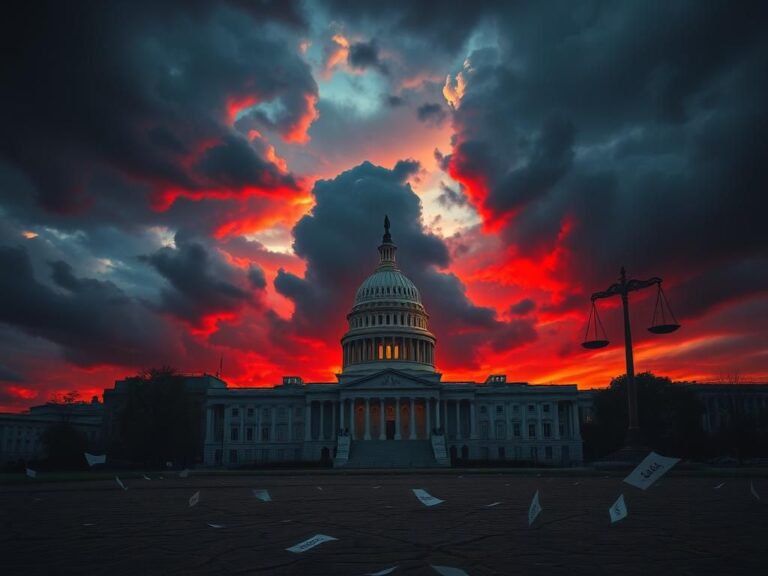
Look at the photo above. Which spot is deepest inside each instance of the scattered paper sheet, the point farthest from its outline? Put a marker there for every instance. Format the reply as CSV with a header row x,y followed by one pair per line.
x,y
184,473
376,487
120,483
426,498
575,483
216,525
262,495
618,511
94,459
752,489
320,488
146,477
534,509
492,504
316,540
719,485
383,572
194,499
653,467
31,473
448,570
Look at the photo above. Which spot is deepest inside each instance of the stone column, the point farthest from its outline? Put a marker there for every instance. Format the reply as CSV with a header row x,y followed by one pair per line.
x,y
342,415
334,421
208,425
382,432
398,434
508,420
321,435
428,407
352,418
241,436
575,420
472,420
557,420
438,422
412,414
273,433
308,421
524,420
458,419
289,433
367,419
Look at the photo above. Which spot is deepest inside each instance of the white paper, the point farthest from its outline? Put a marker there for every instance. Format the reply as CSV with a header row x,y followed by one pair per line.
x,y
216,525
94,459
383,572
194,499
719,485
376,487
184,473
752,489
492,504
146,477
426,498
31,473
120,483
262,495
653,467
618,511
316,540
320,488
448,570
534,509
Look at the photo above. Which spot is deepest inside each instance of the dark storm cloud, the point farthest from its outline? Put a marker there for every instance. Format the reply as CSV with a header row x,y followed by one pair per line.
x,y
523,307
449,197
139,87
638,127
338,241
93,321
201,283
431,112
8,375
364,55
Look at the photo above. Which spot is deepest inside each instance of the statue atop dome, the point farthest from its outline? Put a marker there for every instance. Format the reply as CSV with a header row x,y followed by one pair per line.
x,y
387,236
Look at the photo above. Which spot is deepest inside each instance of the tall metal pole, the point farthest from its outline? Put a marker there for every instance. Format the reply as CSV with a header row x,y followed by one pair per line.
x,y
633,430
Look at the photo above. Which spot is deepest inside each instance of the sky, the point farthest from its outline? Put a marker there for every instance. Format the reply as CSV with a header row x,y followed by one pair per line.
x,y
198,185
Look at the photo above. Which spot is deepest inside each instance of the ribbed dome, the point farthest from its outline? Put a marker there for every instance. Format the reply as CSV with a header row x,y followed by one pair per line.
x,y
387,285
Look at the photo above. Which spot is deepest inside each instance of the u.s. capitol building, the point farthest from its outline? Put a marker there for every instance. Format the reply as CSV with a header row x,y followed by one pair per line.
x,y
389,407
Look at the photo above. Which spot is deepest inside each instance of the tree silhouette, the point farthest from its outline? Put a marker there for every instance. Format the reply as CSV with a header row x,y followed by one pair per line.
x,y
670,418
65,446
160,421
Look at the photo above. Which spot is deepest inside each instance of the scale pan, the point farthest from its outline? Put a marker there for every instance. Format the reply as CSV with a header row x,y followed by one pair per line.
x,y
594,344
663,328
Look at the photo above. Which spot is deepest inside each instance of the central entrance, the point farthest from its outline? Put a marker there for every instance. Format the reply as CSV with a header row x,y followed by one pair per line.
x,y
390,429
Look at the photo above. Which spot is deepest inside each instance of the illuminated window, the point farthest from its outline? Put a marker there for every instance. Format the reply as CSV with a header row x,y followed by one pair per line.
x,y
381,352
397,352
389,352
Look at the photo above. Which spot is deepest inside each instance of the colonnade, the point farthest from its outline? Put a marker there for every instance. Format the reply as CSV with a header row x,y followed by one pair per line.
x,y
389,348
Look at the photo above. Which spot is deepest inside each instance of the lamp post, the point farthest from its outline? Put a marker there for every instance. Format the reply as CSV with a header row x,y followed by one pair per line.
x,y
622,289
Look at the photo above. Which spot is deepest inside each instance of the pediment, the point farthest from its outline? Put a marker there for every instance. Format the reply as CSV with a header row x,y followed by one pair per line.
x,y
390,379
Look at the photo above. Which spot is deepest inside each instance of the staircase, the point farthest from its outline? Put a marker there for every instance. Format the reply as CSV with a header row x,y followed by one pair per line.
x,y
391,454
342,451
439,450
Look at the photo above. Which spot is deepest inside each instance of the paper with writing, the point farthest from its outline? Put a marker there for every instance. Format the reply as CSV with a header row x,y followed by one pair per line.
x,y
618,510
534,509
426,498
94,459
382,572
448,570
316,540
653,467
262,495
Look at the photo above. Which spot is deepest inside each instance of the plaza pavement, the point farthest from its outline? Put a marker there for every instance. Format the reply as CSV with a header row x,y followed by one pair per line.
x,y
681,525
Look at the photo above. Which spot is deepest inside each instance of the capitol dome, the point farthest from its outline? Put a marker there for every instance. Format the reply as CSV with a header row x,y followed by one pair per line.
x,y
388,325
